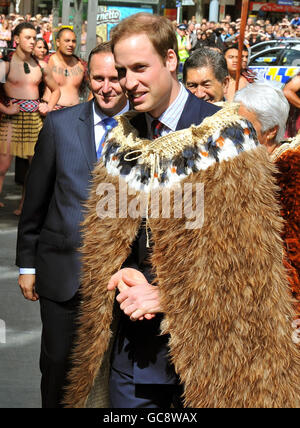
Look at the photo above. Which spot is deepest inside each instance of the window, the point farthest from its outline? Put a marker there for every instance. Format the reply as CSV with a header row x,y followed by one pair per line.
x,y
269,57
291,57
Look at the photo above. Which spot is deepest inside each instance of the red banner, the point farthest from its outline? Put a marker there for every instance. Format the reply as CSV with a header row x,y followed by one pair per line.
x,y
273,7
171,14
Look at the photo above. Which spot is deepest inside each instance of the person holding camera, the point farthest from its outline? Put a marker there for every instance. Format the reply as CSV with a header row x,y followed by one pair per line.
x,y
255,36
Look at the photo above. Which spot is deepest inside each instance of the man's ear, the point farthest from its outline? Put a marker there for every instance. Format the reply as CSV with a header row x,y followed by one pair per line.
x,y
226,85
17,39
171,60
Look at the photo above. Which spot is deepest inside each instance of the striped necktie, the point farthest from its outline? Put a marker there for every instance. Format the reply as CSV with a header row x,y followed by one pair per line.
x,y
156,127
109,123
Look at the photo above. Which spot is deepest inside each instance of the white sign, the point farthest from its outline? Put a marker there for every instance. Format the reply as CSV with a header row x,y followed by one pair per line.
x,y
188,3
112,16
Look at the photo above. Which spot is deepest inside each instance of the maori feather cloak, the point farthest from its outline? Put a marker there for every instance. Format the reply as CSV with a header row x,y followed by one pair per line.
x,y
224,291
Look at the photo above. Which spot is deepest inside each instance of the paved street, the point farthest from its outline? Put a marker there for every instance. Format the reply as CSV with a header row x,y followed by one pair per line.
x,y
19,319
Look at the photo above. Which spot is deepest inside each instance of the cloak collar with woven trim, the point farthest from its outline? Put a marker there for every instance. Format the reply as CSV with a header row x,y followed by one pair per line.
x,y
167,160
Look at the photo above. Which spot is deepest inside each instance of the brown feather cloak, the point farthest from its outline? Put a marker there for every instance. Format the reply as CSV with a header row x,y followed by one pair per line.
x,y
224,291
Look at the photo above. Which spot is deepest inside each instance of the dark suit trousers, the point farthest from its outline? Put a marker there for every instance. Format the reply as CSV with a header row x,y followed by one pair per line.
x,y
58,320
124,393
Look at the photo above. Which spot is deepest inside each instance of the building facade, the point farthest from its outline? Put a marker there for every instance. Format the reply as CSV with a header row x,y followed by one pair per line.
x,y
188,8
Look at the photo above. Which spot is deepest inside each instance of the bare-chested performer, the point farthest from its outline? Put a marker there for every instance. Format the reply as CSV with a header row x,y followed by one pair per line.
x,y
67,69
231,56
20,105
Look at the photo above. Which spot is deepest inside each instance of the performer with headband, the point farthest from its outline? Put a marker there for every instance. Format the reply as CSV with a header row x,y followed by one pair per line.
x,y
21,122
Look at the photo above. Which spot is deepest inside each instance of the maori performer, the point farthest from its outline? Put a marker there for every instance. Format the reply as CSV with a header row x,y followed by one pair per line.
x,y
21,119
292,93
69,71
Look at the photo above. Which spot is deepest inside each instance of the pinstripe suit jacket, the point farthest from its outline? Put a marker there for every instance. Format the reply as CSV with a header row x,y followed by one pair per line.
x,y
57,185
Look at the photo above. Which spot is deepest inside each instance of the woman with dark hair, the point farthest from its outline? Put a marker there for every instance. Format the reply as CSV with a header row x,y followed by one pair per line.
x,y
40,52
202,40
41,49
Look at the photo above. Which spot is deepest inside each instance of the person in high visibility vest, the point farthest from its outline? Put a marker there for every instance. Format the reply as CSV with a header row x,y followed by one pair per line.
x,y
184,44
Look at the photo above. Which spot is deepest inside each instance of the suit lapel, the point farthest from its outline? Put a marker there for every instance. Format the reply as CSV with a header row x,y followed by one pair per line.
x,y
86,134
194,112
187,113
190,110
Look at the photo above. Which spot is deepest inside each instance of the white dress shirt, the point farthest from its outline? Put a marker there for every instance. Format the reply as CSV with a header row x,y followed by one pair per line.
x,y
171,116
98,124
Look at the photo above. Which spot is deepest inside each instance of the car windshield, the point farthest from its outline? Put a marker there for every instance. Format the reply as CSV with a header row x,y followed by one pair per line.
x,y
291,57
269,57
272,44
262,46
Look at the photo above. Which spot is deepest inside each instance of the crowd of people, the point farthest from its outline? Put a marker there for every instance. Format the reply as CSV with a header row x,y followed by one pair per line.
x,y
204,33
210,33
223,294
43,26
192,37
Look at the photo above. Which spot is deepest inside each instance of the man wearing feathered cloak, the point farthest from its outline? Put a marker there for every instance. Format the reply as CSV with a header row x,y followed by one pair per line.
x,y
183,222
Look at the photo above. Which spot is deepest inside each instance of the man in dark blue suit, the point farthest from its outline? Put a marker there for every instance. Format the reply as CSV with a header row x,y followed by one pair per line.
x,y
49,230
146,56
141,374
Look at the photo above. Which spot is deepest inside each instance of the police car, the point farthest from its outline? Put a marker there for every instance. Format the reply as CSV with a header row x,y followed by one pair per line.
x,y
272,44
276,60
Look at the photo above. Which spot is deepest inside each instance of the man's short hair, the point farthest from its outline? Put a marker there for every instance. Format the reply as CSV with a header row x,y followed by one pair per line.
x,y
233,46
158,28
104,47
62,30
23,26
206,57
